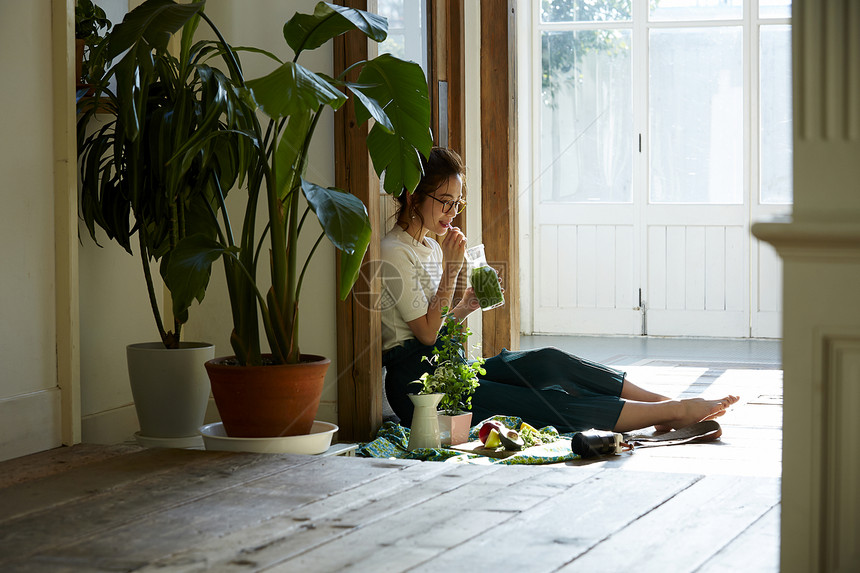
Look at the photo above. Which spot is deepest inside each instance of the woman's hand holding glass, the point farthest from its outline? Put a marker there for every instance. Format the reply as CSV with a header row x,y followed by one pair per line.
x,y
470,301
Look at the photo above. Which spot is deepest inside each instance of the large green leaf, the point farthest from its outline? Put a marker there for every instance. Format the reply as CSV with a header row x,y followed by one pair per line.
x,y
370,105
401,162
189,268
343,216
292,89
400,89
310,31
213,104
154,21
289,149
350,263
128,93
187,40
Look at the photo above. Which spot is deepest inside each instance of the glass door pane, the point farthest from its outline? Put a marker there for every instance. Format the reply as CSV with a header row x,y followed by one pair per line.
x,y
407,40
407,30
686,10
775,113
585,10
774,8
696,115
586,112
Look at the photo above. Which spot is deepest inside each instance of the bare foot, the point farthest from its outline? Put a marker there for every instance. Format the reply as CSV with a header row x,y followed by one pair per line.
x,y
694,410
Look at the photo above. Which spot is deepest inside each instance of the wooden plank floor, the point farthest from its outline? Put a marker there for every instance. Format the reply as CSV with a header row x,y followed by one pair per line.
x,y
707,507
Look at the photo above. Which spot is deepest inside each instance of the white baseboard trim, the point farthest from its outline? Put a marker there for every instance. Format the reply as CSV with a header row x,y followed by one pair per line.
x,y
119,424
30,423
113,426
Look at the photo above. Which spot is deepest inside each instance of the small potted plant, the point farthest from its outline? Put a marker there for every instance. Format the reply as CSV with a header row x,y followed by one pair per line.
x,y
456,379
90,22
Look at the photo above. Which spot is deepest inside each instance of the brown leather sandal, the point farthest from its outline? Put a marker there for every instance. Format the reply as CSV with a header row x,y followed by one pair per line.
x,y
705,431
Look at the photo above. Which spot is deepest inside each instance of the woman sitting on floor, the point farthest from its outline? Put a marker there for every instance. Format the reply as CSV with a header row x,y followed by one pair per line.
x,y
544,387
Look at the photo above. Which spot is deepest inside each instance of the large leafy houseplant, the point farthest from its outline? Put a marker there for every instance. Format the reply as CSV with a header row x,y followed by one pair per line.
x,y
291,99
144,187
140,179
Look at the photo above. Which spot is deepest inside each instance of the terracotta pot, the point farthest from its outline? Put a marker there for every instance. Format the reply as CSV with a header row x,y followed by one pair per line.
x,y
267,401
79,64
79,61
454,430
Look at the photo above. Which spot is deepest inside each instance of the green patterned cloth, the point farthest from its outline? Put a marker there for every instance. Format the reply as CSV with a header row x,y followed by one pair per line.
x,y
392,439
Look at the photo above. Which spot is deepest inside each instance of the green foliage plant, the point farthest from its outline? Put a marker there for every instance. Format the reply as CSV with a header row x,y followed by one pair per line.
x,y
274,150
90,21
454,376
151,166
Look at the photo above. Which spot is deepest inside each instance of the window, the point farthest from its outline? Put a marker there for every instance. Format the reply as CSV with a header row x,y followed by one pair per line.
x,y
660,130
674,76
586,102
407,30
775,114
695,114
407,40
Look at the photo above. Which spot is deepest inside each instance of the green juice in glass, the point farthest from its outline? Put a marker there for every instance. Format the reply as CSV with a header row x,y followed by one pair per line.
x,y
484,279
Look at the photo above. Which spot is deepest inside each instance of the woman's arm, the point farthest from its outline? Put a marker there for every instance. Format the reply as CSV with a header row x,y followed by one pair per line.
x,y
426,328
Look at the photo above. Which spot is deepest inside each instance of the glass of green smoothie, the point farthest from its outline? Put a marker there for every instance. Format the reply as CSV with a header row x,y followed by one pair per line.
x,y
484,279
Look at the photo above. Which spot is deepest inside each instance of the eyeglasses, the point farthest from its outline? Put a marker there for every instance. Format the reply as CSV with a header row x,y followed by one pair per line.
x,y
458,205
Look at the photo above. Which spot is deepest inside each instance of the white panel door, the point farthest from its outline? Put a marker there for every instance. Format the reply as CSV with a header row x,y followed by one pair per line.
x,y
661,132
697,272
586,230
587,272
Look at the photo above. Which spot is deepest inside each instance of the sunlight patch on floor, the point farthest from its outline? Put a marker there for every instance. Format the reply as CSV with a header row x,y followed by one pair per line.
x,y
751,444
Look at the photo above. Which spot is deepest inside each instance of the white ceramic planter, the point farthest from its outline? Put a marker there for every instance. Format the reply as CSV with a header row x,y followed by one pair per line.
x,y
316,442
170,389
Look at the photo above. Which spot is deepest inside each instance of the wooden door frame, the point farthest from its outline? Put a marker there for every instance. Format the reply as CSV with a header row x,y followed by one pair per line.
x,y
499,190
447,63
359,329
67,312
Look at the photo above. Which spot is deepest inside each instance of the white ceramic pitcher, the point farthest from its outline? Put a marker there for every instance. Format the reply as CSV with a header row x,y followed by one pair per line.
x,y
425,421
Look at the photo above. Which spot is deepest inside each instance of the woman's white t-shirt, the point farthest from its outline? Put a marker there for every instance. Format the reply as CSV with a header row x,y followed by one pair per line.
x,y
411,272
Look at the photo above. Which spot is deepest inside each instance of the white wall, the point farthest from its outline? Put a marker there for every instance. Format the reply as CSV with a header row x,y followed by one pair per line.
x,y
115,312
29,398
